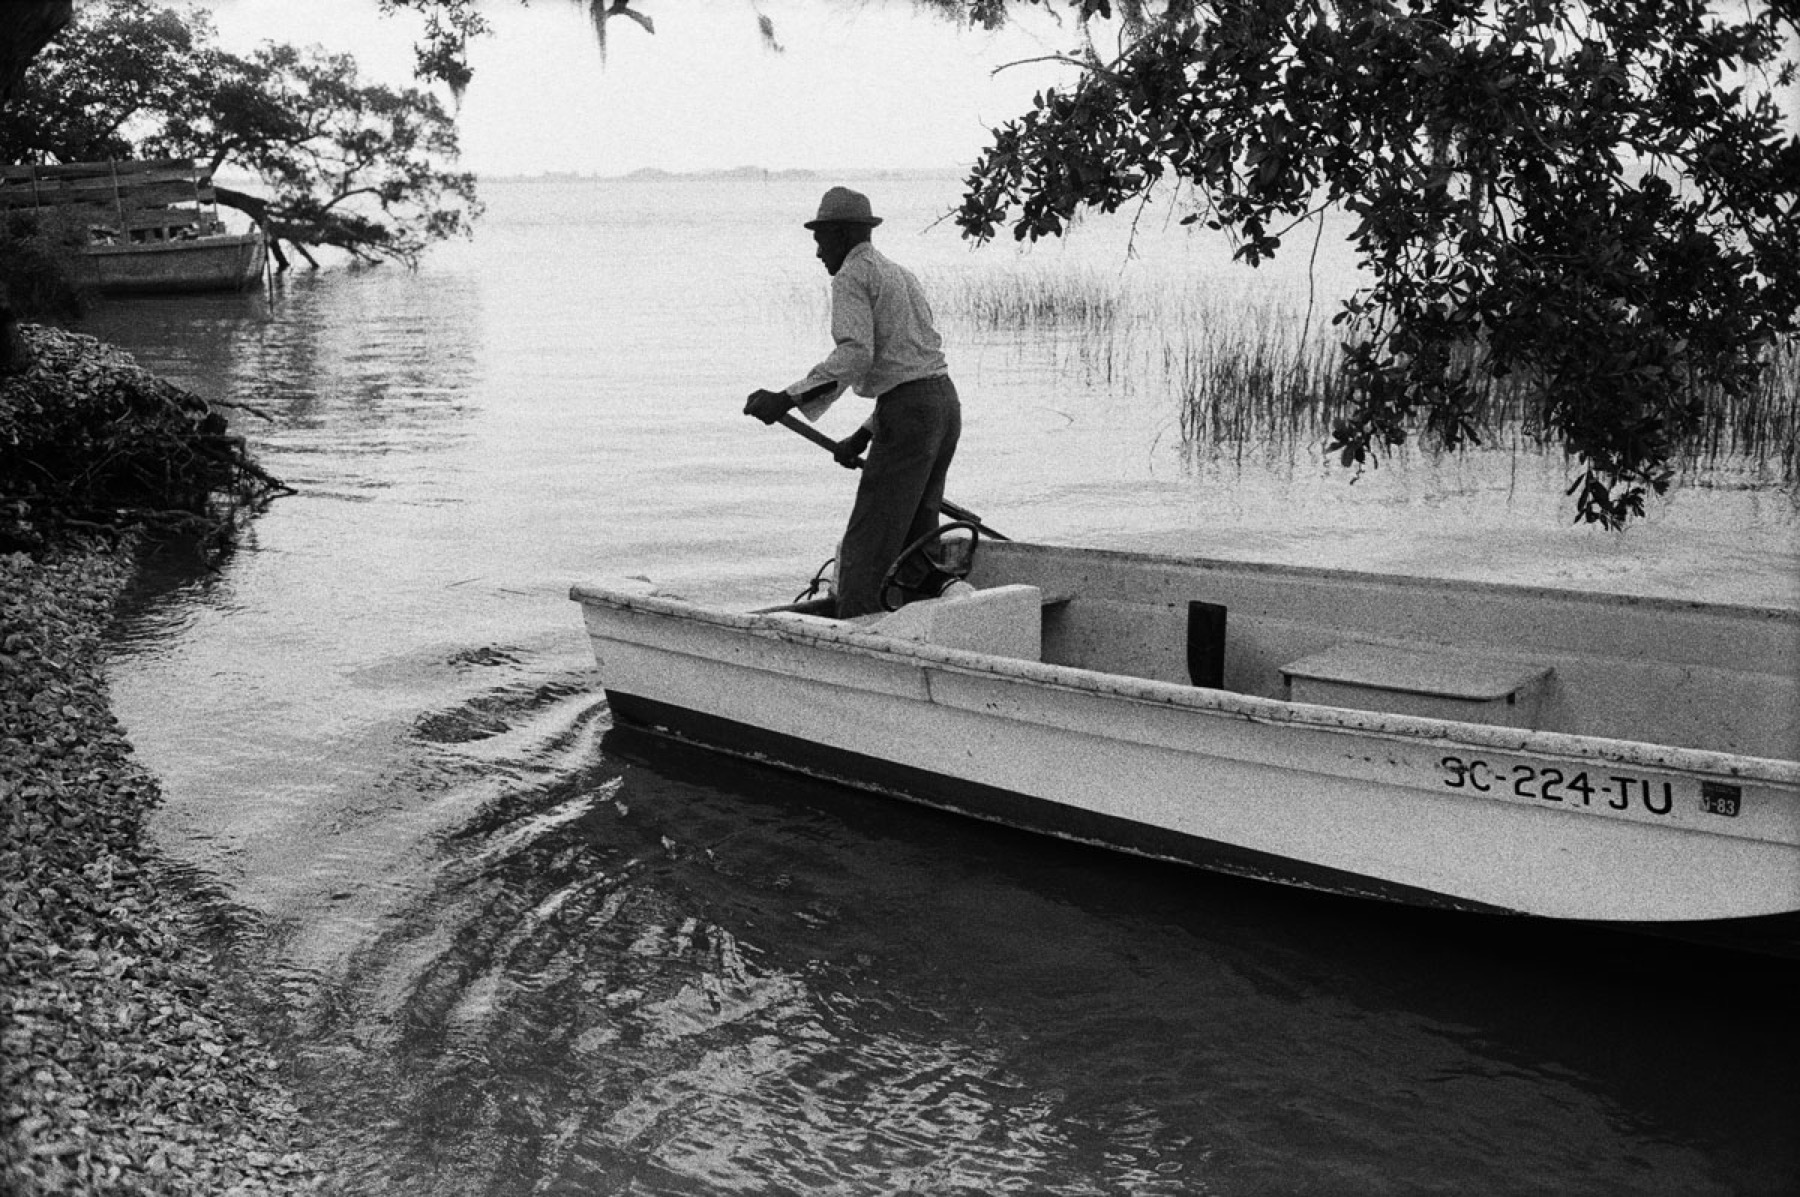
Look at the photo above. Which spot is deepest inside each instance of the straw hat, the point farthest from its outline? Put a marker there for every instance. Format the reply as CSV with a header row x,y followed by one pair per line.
x,y
844,206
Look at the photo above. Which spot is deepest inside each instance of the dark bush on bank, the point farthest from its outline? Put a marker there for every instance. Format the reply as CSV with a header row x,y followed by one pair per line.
x,y
92,442
40,268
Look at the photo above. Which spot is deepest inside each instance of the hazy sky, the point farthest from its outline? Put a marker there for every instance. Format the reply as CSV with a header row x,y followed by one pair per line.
x,y
861,83
867,84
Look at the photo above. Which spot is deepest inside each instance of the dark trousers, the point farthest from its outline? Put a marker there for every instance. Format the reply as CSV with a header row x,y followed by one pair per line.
x,y
917,425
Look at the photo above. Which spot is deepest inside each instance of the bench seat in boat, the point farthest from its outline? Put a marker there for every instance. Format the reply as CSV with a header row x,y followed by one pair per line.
x,y
1005,621
1439,683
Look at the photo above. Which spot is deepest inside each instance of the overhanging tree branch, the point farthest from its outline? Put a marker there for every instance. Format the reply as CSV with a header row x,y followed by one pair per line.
x,y
1513,168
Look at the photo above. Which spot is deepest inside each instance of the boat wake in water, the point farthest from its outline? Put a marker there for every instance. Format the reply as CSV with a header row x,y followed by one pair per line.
x,y
624,966
606,977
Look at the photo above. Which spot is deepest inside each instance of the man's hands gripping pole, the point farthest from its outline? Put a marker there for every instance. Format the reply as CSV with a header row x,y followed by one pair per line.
x,y
772,407
849,451
769,406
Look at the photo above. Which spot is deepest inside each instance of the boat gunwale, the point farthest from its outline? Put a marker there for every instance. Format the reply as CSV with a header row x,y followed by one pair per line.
x,y
139,249
1772,771
1472,586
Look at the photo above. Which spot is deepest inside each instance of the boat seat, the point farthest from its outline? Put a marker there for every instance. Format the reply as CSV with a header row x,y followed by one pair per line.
x,y
1436,683
1005,621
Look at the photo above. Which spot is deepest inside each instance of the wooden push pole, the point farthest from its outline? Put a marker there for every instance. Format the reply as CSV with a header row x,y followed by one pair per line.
x,y
950,509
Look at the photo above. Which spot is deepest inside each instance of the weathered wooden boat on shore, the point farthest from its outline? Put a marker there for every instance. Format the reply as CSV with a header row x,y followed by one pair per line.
x,y
148,227
1467,745
212,262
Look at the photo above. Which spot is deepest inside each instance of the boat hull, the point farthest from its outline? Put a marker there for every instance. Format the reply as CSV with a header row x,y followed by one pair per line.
x,y
1419,810
231,262
1011,808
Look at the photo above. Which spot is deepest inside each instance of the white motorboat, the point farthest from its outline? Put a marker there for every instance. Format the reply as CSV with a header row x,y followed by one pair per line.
x,y
1468,745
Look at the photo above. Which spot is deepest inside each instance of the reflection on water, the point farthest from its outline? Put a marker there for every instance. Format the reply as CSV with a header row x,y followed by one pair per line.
x,y
385,365
514,950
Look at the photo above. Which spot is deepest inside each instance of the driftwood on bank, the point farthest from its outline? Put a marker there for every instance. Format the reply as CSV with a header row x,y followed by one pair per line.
x,y
90,440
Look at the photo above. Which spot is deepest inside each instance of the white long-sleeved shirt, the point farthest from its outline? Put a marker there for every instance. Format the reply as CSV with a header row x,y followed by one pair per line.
x,y
883,329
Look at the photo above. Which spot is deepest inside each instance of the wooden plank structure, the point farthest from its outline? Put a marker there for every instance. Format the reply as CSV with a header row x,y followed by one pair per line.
x,y
149,224
138,200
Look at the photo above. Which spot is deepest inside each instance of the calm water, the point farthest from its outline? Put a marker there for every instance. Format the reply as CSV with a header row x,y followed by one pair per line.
x,y
513,951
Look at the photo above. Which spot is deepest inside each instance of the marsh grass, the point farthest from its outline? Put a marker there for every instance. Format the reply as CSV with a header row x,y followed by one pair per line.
x,y
1761,429
1038,299
1245,378
1264,379
1261,381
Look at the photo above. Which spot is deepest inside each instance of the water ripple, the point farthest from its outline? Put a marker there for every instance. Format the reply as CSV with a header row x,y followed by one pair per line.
x,y
582,996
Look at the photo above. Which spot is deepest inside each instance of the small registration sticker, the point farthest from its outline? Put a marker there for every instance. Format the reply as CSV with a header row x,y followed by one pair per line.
x,y
1720,798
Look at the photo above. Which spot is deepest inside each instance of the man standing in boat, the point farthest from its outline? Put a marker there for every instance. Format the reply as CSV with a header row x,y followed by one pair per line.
x,y
887,348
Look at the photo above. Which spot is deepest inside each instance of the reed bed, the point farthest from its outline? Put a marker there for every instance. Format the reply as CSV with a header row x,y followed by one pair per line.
x,y
1761,429
1036,299
1264,379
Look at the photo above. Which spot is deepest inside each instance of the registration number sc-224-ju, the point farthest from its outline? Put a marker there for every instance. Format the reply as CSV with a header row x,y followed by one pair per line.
x,y
1582,788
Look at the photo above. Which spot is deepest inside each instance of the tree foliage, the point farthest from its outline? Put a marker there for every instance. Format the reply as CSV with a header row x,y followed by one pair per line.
x,y
1597,200
360,166
30,24
441,51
